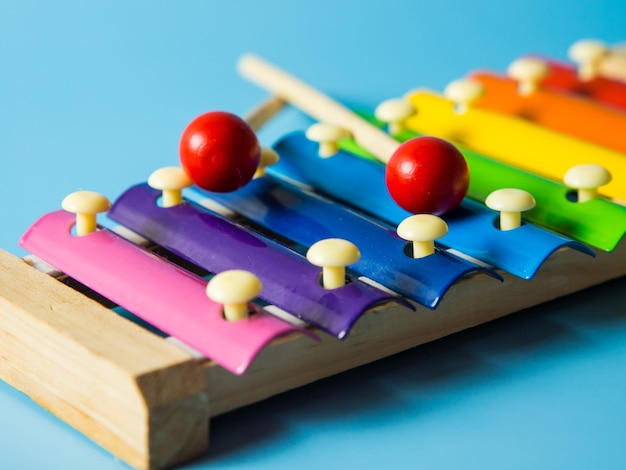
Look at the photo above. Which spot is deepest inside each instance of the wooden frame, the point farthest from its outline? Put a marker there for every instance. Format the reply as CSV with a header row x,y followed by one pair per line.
x,y
149,402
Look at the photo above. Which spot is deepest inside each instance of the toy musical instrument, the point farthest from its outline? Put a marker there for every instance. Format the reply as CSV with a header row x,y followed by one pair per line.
x,y
144,385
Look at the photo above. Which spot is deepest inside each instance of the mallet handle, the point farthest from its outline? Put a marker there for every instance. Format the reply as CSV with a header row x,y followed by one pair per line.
x,y
318,105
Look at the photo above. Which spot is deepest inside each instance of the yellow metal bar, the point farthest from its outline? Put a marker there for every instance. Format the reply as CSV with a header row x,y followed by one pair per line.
x,y
514,141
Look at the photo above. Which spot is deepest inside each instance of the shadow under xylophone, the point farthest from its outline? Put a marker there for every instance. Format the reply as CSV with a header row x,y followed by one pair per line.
x,y
148,399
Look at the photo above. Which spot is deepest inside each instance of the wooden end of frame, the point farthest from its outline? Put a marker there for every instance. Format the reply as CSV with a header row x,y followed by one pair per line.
x,y
136,395
147,401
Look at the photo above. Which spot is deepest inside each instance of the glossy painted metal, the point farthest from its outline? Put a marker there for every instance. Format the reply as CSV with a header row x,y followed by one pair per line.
x,y
514,141
563,112
155,290
563,76
306,218
215,244
361,183
599,222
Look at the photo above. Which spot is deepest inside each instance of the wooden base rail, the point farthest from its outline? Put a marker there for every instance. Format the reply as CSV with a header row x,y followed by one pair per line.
x,y
149,402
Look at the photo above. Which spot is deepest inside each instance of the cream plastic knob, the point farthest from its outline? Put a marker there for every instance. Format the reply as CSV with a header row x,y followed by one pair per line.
x,y
422,230
234,289
528,72
463,93
171,180
327,135
587,178
588,54
394,112
511,203
268,158
333,255
86,205
614,63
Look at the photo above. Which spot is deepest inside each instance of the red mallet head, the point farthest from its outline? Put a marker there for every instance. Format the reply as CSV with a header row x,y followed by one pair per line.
x,y
219,151
426,175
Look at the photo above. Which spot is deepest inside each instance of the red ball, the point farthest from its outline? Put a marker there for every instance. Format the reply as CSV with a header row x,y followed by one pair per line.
x,y
426,175
219,151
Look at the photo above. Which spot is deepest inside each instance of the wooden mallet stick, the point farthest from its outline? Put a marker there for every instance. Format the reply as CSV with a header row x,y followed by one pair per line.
x,y
265,111
318,105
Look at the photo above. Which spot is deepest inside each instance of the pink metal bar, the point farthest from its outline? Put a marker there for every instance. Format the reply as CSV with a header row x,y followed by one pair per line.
x,y
152,288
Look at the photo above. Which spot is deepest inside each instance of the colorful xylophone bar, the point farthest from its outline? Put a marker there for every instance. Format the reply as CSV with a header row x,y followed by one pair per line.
x,y
148,401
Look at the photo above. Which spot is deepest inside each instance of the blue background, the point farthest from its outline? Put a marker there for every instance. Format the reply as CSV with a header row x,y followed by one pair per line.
x,y
95,95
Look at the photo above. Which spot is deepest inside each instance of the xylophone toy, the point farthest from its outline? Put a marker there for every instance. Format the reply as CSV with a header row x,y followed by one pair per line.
x,y
249,271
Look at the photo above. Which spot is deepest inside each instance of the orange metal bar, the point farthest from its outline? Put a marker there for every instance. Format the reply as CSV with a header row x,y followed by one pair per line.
x,y
576,116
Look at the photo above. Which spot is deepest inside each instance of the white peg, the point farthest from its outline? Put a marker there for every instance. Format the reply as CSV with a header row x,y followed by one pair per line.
x,y
394,112
333,255
86,205
528,72
587,178
511,202
171,180
588,54
614,63
422,230
234,289
463,93
327,135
